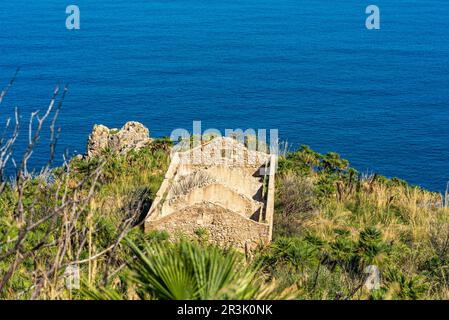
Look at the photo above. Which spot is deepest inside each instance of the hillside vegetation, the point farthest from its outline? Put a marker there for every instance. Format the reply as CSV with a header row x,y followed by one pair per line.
x,y
330,224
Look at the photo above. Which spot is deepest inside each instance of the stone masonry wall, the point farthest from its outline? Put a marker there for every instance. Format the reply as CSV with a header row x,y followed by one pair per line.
x,y
226,228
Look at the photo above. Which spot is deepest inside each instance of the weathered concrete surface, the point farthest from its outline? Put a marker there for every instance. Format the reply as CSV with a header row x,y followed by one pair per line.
x,y
214,193
245,180
235,205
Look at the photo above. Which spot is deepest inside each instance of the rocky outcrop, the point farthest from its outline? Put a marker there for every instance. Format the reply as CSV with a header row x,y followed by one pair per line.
x,y
132,136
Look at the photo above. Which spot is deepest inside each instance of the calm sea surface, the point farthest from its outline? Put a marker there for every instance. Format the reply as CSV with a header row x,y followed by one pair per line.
x,y
307,68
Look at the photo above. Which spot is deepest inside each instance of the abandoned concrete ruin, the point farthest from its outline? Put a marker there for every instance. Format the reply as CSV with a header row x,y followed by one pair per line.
x,y
221,189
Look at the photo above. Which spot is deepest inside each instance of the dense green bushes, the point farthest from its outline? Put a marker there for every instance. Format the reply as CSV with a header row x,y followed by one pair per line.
x,y
78,216
330,224
360,221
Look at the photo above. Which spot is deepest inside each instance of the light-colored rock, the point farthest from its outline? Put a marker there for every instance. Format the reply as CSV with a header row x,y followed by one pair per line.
x,y
98,140
132,136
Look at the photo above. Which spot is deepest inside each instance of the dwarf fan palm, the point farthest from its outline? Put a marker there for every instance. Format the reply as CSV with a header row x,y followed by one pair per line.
x,y
190,271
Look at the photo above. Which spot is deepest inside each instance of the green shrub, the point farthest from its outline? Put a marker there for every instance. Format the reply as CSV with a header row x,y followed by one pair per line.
x,y
186,270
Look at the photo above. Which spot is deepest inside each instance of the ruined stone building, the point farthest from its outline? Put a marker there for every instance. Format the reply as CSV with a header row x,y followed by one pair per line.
x,y
220,188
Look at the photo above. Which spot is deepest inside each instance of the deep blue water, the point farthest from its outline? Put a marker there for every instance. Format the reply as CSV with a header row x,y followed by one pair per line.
x,y
308,68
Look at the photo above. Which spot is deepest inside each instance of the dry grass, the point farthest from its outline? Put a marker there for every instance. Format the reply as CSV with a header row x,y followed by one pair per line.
x,y
414,225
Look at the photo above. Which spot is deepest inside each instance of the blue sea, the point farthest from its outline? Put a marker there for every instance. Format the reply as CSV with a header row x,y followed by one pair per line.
x,y
308,68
